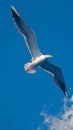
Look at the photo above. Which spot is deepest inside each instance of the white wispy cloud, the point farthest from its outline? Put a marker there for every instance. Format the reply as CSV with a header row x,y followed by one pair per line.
x,y
72,98
62,121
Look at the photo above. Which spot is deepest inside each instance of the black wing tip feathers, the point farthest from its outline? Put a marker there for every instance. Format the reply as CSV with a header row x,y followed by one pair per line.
x,y
14,11
66,93
12,8
64,89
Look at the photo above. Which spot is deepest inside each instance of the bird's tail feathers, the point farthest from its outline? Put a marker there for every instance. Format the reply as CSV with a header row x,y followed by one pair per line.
x,y
29,68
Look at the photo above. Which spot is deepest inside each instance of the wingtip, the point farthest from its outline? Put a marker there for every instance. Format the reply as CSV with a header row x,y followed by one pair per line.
x,y
12,7
66,94
14,10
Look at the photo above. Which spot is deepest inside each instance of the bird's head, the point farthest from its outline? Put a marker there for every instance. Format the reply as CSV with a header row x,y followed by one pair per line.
x,y
48,56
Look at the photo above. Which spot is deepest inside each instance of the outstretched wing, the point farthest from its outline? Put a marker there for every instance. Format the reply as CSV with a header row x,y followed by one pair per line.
x,y
56,73
27,33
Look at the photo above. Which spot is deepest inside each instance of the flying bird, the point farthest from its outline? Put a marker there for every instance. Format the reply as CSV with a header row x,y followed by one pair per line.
x,y
38,59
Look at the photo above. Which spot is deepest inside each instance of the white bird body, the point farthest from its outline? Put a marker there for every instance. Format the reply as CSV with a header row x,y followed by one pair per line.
x,y
30,66
38,59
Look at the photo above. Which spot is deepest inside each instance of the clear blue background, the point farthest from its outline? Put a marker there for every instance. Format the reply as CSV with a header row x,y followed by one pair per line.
x,y
23,96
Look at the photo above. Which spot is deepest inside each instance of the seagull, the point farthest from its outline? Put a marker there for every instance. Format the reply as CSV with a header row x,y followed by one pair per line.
x,y
38,59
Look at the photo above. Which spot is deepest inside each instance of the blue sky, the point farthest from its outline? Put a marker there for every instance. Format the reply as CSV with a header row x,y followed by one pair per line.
x,y
23,96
